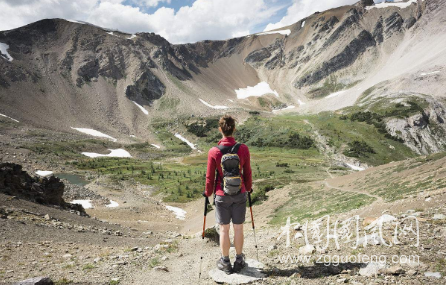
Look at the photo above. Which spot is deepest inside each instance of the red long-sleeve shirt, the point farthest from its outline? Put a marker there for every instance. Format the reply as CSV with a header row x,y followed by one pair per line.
x,y
214,159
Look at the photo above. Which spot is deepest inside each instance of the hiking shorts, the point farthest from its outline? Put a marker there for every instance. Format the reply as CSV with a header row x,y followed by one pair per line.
x,y
231,208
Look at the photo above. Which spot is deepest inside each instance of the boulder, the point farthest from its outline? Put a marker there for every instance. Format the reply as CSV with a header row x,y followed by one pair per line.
x,y
436,275
372,269
365,3
251,272
307,249
43,190
35,281
439,217
161,268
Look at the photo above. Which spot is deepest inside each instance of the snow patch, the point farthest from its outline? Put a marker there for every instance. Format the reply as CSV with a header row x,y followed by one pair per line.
x,y
141,108
354,167
112,204
94,133
190,144
301,102
131,37
74,21
179,213
400,5
282,32
44,173
113,153
259,89
132,136
86,204
154,145
9,118
302,24
4,50
335,94
430,73
211,106
231,100
288,107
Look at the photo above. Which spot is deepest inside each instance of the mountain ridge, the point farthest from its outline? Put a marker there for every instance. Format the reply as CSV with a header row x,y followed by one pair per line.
x,y
81,75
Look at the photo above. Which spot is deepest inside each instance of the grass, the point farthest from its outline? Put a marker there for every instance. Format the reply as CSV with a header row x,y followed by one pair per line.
x,y
309,203
329,86
168,104
88,266
179,84
68,149
154,262
343,132
63,281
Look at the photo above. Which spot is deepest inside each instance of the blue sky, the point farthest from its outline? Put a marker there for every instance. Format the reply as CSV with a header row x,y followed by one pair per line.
x,y
179,21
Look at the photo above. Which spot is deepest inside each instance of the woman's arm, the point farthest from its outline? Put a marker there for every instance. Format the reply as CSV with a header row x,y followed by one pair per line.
x,y
210,174
247,170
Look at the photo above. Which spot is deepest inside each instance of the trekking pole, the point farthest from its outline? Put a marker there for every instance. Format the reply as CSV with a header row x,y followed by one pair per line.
x,y
203,232
253,223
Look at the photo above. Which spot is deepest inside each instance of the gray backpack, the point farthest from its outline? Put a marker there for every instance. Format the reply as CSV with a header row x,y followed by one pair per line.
x,y
231,169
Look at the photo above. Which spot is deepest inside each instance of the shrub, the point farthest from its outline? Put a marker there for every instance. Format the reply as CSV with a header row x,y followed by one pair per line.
x,y
358,149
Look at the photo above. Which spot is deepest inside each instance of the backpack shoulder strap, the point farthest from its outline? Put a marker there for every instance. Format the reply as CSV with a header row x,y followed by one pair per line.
x,y
224,149
235,148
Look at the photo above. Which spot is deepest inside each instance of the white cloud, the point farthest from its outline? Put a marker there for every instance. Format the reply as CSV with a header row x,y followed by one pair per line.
x,y
302,8
150,3
204,19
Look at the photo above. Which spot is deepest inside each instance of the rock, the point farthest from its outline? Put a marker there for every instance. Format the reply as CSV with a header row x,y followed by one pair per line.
x,y
297,227
146,88
43,190
96,260
306,250
365,3
393,24
439,217
251,273
272,247
409,22
161,268
298,235
134,248
47,217
436,275
35,281
394,270
164,258
212,234
345,58
67,255
411,272
371,269
342,280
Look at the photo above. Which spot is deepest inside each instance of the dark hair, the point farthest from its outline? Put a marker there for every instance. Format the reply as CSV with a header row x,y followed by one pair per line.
x,y
227,124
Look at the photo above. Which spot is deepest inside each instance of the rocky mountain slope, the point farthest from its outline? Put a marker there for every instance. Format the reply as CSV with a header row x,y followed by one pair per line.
x,y
59,74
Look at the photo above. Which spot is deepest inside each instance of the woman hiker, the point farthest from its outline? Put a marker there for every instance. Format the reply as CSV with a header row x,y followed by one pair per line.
x,y
228,175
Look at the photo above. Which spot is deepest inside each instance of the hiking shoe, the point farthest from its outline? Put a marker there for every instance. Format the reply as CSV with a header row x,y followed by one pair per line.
x,y
239,264
225,266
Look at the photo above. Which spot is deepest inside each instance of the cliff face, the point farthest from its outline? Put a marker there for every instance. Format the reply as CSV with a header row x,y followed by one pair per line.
x,y
67,74
47,191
